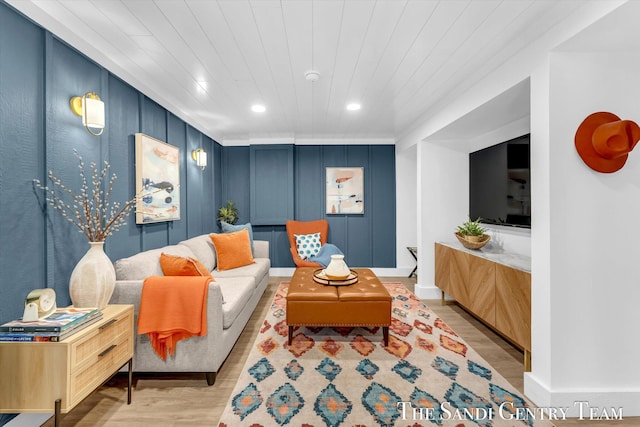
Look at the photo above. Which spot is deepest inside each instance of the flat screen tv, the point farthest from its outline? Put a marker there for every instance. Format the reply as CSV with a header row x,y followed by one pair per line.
x,y
500,183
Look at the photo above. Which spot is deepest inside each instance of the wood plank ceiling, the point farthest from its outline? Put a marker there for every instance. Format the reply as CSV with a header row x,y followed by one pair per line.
x,y
209,61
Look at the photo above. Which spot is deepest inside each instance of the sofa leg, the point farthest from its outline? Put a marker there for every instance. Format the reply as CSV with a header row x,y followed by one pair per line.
x,y
211,378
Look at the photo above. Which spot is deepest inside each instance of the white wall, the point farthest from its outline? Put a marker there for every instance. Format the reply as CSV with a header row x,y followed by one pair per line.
x,y
591,350
510,240
540,239
443,194
406,208
585,288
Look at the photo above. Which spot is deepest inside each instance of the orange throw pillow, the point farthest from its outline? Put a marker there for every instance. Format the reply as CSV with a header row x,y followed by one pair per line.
x,y
233,249
173,265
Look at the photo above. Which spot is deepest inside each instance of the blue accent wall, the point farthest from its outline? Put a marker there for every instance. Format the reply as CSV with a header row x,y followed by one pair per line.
x,y
367,240
271,184
38,132
23,260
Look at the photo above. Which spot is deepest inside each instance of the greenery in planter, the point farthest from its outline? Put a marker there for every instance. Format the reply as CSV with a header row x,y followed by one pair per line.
x,y
228,213
471,228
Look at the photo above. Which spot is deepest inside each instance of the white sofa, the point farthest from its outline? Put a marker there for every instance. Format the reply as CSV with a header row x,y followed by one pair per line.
x,y
231,300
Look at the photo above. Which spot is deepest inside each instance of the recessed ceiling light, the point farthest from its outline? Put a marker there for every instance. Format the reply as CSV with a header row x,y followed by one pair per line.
x,y
258,108
201,86
353,107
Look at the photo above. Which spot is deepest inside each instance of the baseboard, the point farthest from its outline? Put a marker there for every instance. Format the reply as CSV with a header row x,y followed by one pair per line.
x,y
281,271
578,403
392,272
29,420
380,272
427,292
536,391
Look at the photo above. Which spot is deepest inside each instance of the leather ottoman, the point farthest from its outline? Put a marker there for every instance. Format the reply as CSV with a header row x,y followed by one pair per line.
x,y
365,303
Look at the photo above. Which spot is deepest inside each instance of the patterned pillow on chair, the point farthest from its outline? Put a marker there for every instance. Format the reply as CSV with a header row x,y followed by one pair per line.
x,y
308,244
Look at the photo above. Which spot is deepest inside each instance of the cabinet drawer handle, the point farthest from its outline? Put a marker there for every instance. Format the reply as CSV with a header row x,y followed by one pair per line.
x,y
109,323
111,347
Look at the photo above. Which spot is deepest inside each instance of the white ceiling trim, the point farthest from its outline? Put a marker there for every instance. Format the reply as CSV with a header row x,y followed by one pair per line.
x,y
306,141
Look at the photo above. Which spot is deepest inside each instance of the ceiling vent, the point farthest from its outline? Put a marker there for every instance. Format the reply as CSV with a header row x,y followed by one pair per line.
x,y
312,76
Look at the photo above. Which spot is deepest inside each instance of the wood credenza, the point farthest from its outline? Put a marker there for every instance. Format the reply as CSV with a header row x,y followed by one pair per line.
x,y
497,294
56,376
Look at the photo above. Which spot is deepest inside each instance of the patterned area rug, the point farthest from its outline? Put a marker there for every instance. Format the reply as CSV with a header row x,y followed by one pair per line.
x,y
426,376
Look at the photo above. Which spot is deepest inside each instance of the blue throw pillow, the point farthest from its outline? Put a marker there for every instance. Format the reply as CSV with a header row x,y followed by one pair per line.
x,y
324,255
230,228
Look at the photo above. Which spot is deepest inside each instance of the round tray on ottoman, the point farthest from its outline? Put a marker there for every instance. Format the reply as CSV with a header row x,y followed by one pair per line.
x,y
319,276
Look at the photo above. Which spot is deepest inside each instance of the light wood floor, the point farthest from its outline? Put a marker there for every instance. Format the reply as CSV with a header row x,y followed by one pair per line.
x,y
186,400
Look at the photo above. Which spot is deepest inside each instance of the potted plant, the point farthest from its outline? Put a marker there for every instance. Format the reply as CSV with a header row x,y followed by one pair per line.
x,y
472,235
228,213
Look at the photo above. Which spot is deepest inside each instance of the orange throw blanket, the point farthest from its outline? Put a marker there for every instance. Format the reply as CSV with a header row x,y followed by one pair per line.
x,y
173,308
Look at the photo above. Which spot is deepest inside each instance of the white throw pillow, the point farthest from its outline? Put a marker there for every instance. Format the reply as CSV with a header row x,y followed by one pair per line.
x,y
307,244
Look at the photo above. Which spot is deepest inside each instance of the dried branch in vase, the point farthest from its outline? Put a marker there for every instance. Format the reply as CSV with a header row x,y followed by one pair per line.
x,y
91,209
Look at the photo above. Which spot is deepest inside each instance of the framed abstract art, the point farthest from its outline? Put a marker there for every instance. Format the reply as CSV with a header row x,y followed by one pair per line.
x,y
344,190
157,180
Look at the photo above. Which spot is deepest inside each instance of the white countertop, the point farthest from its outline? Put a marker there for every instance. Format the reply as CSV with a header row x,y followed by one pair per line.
x,y
495,254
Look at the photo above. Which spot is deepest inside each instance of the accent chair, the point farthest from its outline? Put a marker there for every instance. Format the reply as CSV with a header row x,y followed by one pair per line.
x,y
306,227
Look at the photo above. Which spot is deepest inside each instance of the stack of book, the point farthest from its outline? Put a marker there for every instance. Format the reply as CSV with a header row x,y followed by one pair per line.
x,y
58,326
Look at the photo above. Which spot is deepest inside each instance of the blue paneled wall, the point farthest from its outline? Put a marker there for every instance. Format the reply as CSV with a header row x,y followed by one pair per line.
x,y
38,132
367,240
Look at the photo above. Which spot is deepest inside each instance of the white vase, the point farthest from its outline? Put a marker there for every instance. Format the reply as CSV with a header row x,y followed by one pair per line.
x,y
337,268
93,279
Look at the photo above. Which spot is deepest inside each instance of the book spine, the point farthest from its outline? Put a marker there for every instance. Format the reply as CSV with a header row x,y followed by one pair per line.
x,y
50,328
28,338
29,329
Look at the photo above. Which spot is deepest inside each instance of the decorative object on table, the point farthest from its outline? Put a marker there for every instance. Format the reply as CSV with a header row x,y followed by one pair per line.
x,y
604,141
39,304
345,190
345,376
93,278
157,180
323,257
228,213
91,210
472,235
337,268
319,276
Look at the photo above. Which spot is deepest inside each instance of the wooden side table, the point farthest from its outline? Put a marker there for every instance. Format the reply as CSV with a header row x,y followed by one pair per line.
x,y
56,376
414,253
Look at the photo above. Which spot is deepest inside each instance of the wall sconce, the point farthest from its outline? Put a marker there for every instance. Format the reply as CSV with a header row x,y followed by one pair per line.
x,y
200,156
91,108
